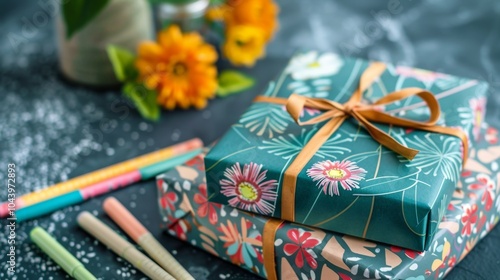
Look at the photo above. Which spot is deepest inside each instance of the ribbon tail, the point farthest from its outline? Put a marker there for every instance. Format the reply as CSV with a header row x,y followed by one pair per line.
x,y
385,139
453,132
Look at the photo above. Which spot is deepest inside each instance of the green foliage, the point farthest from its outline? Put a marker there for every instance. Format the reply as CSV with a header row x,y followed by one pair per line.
x,y
78,13
123,63
231,81
144,99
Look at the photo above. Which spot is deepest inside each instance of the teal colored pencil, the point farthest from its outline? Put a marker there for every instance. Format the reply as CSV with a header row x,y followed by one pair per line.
x,y
79,196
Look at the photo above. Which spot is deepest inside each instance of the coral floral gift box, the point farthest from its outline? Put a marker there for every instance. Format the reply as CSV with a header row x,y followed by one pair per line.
x,y
292,251
356,147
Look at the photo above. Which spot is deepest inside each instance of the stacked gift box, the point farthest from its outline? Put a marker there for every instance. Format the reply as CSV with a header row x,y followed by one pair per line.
x,y
344,169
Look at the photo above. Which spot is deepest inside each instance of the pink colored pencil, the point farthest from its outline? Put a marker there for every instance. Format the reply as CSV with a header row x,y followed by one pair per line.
x,y
144,238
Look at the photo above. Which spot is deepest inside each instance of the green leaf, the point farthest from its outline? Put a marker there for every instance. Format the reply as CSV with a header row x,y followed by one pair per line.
x,y
78,13
176,2
217,2
144,100
231,82
123,63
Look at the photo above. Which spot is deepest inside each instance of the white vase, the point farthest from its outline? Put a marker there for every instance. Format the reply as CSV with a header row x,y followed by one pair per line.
x,y
189,15
83,58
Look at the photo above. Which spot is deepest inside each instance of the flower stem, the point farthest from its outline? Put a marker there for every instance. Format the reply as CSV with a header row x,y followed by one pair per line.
x,y
310,210
278,84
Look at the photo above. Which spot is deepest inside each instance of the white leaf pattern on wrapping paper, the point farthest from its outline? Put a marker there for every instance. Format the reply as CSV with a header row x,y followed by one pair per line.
x,y
266,120
318,88
385,269
354,269
442,157
289,146
177,186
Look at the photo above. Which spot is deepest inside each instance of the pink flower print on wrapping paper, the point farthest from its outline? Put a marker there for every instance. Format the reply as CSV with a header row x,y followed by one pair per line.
x,y
469,218
330,174
491,135
302,245
487,186
179,227
248,188
409,253
478,106
168,200
419,74
206,207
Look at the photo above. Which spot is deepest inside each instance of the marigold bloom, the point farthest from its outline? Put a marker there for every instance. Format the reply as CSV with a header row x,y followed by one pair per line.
x,y
259,13
244,44
180,67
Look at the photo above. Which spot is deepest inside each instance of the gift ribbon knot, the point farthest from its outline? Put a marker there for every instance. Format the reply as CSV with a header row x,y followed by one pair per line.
x,y
334,114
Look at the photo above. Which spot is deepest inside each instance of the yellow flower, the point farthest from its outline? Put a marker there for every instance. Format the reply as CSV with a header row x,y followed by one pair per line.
x,y
244,44
259,13
217,13
180,67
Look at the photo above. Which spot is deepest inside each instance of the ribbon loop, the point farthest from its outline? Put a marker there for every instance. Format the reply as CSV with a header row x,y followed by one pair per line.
x,y
367,113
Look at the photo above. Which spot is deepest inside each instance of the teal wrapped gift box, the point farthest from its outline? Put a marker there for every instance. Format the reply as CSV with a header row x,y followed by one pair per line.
x,y
352,184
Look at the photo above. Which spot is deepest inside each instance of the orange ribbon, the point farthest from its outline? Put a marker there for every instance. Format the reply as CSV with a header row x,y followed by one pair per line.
x,y
269,256
336,113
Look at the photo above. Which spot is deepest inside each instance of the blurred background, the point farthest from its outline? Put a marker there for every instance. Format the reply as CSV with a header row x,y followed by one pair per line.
x,y
54,129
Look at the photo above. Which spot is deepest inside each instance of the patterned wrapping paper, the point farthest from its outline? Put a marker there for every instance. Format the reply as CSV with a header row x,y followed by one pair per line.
x,y
307,253
352,185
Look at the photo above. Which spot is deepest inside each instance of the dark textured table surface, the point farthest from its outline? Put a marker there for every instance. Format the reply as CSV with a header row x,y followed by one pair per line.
x,y
53,130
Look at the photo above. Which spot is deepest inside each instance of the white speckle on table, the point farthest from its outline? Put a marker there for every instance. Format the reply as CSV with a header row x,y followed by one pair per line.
x,y
126,127
120,142
176,134
143,126
142,145
150,142
110,151
199,273
134,135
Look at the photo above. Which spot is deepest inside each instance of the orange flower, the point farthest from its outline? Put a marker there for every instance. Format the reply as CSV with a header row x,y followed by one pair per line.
x,y
180,67
244,44
259,13
217,13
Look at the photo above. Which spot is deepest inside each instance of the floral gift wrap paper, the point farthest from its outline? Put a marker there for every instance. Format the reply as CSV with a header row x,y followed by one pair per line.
x,y
302,252
352,184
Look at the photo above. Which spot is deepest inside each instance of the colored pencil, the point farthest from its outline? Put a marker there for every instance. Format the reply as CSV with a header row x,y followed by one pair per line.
x,y
128,223
101,175
59,254
79,196
121,247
